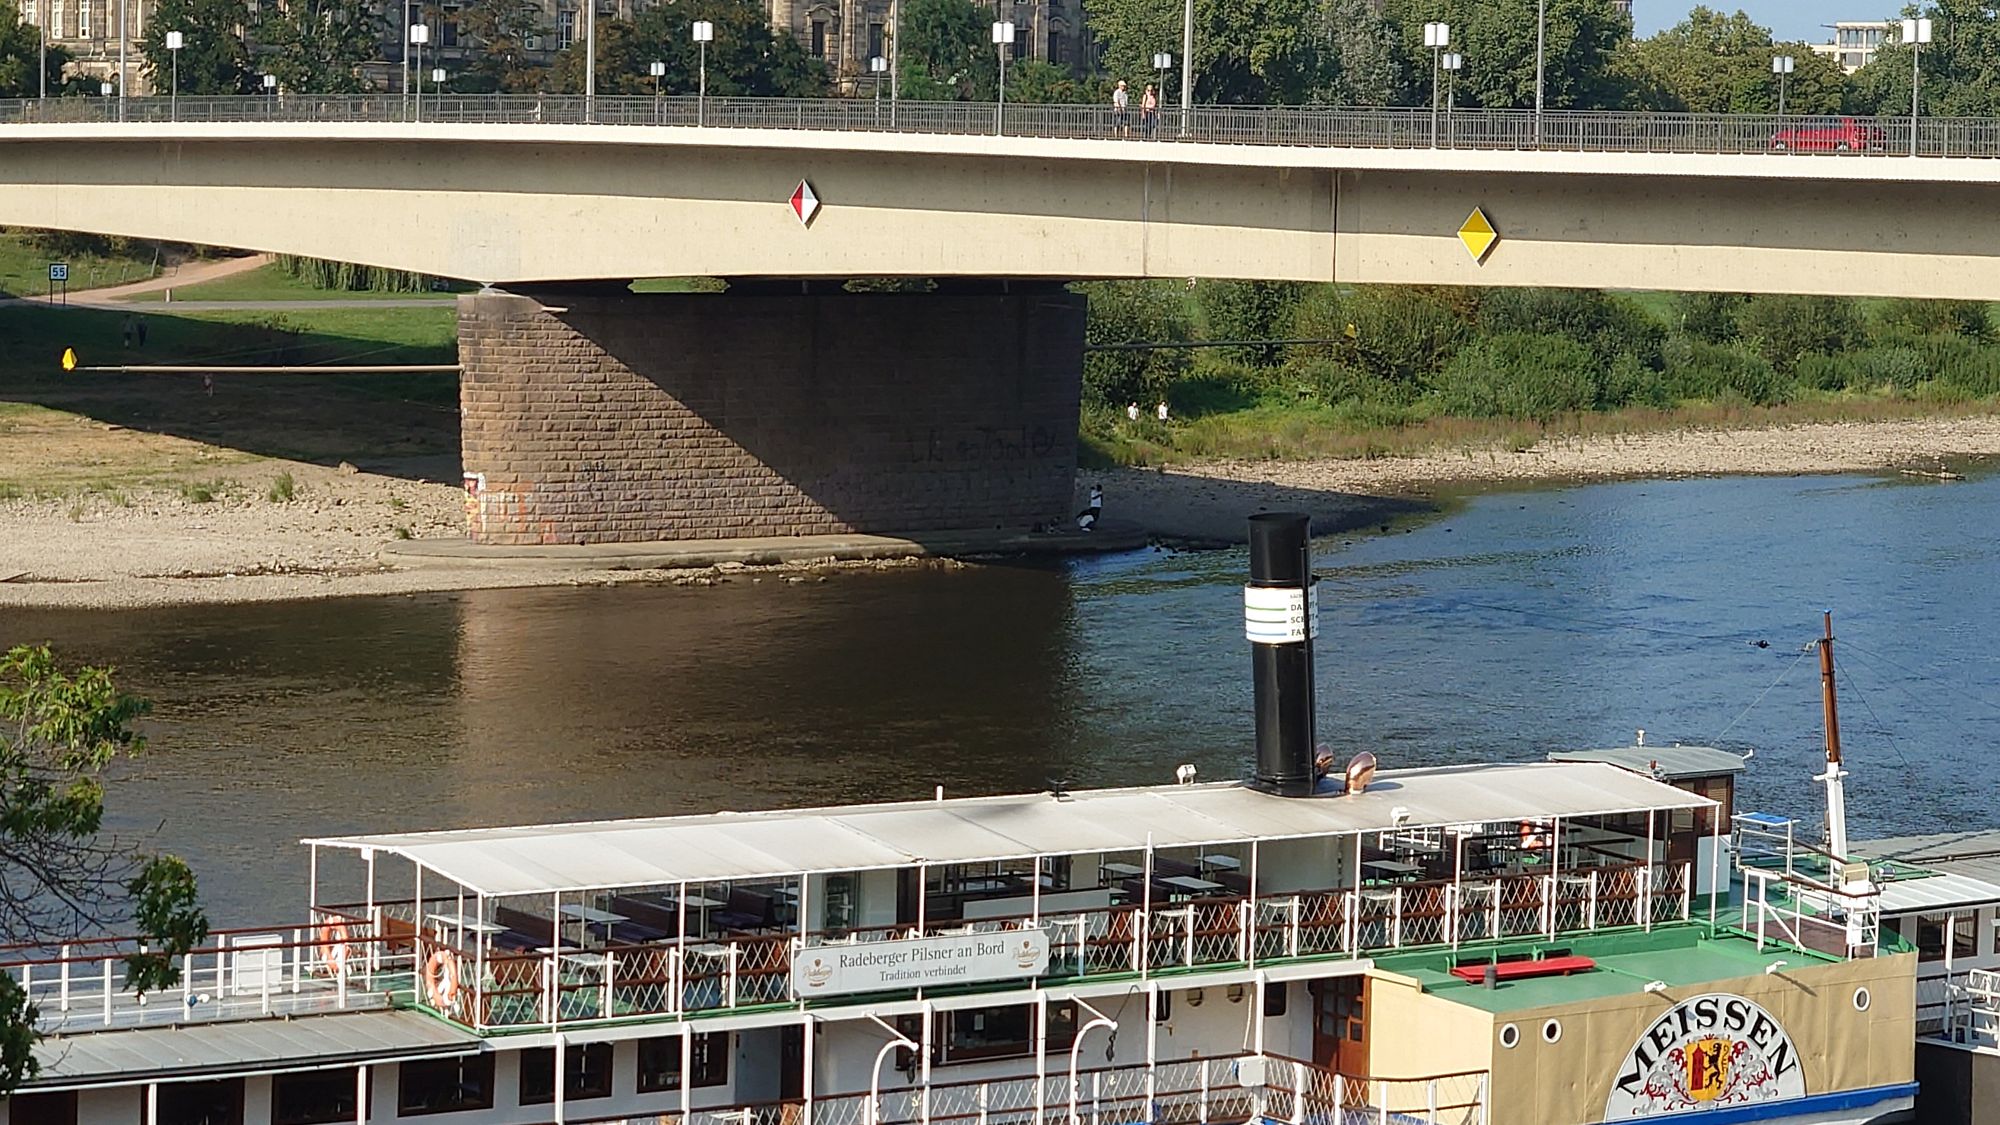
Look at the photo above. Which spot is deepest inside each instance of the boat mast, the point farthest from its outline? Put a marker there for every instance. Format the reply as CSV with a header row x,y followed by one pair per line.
x,y
1834,777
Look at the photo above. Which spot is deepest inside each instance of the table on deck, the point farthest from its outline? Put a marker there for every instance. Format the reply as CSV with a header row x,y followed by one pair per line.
x,y
1394,868
1191,884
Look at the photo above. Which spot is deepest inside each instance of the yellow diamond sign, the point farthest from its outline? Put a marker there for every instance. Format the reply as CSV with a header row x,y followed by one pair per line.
x,y
69,359
1478,234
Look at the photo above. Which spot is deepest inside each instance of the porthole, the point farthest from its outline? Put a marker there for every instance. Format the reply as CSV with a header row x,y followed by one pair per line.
x,y
1552,1031
1509,1035
1862,999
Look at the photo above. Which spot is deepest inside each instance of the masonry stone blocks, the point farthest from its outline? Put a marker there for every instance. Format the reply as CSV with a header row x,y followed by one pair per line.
x,y
620,417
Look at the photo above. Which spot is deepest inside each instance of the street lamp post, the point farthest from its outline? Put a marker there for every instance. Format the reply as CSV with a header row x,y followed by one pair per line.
x,y
1162,62
1453,63
1003,38
42,22
895,58
704,34
1782,67
420,34
437,90
590,60
123,5
175,41
271,92
1187,65
1541,60
658,70
878,66
1437,36
1916,33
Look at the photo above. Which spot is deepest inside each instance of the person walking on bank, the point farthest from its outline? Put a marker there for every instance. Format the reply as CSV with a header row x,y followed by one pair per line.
x,y
1132,411
1121,109
1161,412
1149,112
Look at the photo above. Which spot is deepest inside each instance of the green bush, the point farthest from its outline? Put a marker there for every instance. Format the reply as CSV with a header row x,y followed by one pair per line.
x,y
1628,382
1830,372
1609,326
1518,375
1966,320
322,274
1214,385
1124,312
1784,328
1898,367
1710,317
1405,333
1249,310
1330,382
1698,370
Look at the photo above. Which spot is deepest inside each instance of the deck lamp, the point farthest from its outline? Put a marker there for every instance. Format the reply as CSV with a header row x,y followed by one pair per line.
x,y
704,34
1003,38
1437,36
1916,33
175,41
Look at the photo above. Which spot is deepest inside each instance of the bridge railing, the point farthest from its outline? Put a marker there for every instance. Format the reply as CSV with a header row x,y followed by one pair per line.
x,y
1298,126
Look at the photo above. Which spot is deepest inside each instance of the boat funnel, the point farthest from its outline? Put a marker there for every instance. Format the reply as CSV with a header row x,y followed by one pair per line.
x,y
1281,618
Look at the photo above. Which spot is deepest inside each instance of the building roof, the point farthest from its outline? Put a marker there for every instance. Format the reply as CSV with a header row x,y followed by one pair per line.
x,y
1963,868
665,851
238,1046
1669,763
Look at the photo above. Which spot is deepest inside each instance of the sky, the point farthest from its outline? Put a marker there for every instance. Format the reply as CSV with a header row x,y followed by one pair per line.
x,y
1787,19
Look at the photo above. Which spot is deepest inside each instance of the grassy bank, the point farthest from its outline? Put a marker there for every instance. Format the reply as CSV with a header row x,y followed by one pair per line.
x,y
1379,371
93,262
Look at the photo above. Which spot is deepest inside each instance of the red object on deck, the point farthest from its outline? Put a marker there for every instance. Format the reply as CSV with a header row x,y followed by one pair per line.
x,y
1517,970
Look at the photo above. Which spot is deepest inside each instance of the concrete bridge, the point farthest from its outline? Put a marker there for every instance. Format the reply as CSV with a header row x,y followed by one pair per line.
x,y
782,407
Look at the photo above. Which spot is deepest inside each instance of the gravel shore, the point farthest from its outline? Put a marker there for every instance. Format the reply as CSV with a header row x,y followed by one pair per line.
x,y
163,545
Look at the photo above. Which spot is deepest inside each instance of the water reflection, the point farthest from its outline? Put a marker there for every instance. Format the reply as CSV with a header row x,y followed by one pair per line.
x,y
1519,624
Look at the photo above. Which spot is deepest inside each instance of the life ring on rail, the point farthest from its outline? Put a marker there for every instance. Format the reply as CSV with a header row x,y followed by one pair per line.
x,y
441,980
1533,839
333,947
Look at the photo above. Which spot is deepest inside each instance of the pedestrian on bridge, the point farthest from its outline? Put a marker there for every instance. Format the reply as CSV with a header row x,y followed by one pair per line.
x,y
1121,109
1149,112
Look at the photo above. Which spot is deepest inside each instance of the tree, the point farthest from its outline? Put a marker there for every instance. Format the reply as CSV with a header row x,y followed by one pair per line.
x,y
502,29
946,53
1497,38
1359,62
1247,52
746,59
1128,312
59,732
1713,63
21,53
1961,73
214,60
318,46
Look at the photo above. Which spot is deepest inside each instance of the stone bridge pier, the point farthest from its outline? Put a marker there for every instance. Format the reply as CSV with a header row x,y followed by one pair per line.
x,y
597,415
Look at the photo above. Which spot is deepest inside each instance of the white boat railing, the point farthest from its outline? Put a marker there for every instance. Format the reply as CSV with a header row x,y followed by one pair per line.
x,y
377,956
1213,1091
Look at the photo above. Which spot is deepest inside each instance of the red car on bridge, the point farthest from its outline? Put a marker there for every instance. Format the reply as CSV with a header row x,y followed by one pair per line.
x,y
1835,135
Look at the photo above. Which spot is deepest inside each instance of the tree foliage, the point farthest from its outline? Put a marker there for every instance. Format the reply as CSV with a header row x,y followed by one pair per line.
x,y
1127,312
1358,59
318,46
946,53
745,59
1716,63
501,30
1497,37
59,875
1960,66
215,58
21,54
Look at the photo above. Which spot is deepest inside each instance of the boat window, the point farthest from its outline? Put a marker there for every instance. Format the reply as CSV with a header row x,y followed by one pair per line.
x,y
201,1103
42,1109
660,1062
445,1085
313,1097
1006,1032
587,1070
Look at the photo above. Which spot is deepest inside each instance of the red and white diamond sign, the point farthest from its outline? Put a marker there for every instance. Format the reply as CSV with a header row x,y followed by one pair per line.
x,y
804,203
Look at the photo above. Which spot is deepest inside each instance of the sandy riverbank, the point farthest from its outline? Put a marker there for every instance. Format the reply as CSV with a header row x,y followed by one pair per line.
x,y
162,543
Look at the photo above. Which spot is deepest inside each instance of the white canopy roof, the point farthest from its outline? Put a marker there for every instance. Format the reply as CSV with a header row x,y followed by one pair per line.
x,y
664,851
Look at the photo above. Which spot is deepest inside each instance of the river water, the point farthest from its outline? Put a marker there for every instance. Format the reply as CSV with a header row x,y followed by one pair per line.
x,y
1517,624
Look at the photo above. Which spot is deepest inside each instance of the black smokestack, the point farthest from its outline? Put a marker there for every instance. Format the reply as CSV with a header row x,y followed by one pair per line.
x,y
1278,618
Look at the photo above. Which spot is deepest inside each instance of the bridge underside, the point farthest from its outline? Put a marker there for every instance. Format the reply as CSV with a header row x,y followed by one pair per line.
x,y
505,204
603,416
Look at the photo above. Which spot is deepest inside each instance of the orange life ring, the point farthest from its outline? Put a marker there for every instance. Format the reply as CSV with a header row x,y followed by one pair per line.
x,y
333,947
441,980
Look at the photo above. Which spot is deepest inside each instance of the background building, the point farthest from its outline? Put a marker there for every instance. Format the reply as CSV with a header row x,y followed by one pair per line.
x,y
88,29
1855,43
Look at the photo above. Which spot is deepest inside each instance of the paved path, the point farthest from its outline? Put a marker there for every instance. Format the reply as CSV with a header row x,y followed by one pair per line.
x,y
185,273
